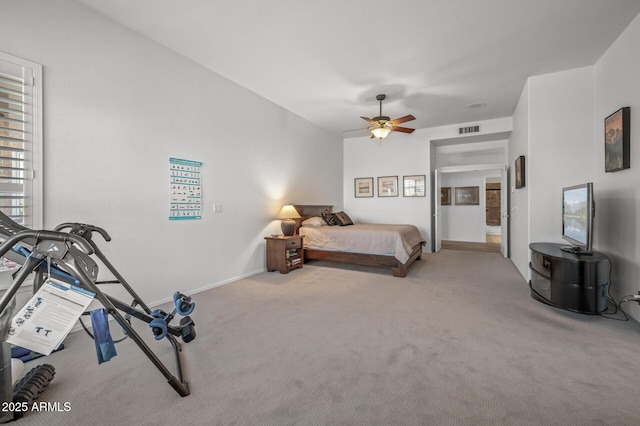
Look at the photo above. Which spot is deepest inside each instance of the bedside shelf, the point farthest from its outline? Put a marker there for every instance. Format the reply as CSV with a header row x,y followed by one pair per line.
x,y
284,253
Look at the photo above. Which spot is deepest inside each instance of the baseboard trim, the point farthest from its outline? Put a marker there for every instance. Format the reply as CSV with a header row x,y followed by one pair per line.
x,y
78,326
471,246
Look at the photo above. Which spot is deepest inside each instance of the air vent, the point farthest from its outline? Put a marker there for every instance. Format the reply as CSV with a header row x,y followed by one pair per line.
x,y
469,129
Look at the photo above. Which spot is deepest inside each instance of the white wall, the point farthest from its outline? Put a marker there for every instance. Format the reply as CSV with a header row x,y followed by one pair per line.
x,y
397,155
617,195
560,130
400,155
552,129
519,198
116,108
467,154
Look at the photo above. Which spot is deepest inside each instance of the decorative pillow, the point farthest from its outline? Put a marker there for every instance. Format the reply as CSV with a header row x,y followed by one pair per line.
x,y
328,217
342,219
314,222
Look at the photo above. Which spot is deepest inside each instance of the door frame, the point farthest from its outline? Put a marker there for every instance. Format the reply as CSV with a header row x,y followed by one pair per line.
x,y
504,208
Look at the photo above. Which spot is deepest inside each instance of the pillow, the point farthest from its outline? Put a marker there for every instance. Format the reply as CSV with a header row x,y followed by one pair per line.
x,y
342,219
328,217
314,222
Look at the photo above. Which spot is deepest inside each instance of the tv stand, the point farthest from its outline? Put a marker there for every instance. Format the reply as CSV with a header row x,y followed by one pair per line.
x,y
567,279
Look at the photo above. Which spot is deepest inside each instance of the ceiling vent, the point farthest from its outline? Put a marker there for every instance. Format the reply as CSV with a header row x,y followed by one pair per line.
x,y
469,129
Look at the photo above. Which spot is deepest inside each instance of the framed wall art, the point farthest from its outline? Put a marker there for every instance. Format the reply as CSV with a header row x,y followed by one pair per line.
x,y
617,129
468,196
363,187
445,196
388,186
414,186
519,172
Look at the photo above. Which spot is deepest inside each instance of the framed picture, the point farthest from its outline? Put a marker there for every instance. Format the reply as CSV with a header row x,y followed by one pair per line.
x,y
468,196
363,187
617,128
388,186
414,186
519,172
445,196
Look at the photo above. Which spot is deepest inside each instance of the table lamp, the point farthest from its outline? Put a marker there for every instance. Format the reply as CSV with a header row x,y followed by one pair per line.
x,y
288,225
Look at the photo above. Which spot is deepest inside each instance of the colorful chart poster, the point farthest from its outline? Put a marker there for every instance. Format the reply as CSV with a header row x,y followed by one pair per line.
x,y
185,189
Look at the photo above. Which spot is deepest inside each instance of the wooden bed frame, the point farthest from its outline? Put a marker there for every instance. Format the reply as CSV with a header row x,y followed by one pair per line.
x,y
398,269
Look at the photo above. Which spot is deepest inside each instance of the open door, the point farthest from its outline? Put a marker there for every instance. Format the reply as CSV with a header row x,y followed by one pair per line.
x,y
504,212
437,212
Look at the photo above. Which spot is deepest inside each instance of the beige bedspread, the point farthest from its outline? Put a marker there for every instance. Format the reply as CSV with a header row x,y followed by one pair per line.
x,y
391,240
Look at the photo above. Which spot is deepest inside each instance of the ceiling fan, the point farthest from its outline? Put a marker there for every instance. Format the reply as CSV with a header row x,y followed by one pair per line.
x,y
382,125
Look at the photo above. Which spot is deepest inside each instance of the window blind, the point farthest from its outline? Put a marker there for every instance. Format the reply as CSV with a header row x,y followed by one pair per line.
x,y
19,140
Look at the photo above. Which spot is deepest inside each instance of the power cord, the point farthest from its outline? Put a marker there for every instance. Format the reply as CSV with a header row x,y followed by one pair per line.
x,y
617,305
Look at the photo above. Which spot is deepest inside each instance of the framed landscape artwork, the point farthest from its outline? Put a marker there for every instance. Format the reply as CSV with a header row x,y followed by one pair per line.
x,y
414,186
363,187
388,186
519,172
617,127
445,196
468,196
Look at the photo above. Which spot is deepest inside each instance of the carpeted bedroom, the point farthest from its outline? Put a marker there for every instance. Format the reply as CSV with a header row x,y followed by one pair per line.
x,y
459,341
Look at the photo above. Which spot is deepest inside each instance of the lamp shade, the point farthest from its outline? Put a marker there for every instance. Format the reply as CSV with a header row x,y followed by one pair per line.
x,y
288,212
380,132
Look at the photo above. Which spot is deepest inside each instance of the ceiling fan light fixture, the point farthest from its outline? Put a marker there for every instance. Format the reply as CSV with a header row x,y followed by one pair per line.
x,y
382,125
380,132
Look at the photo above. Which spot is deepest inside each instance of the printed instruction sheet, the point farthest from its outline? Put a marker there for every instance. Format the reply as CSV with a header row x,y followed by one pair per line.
x,y
47,318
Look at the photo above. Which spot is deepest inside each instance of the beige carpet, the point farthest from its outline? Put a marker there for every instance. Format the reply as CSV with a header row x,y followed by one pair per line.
x,y
457,342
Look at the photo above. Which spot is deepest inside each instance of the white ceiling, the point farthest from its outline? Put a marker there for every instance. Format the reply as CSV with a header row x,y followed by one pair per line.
x,y
326,60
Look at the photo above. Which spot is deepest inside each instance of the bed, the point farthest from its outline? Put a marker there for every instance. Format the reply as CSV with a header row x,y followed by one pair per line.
x,y
381,245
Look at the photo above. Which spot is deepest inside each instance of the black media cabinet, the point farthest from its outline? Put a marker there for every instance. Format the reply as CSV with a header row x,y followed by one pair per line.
x,y
577,282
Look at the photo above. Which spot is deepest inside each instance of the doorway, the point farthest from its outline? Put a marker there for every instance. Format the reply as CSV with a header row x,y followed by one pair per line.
x,y
492,204
481,152
493,213
465,226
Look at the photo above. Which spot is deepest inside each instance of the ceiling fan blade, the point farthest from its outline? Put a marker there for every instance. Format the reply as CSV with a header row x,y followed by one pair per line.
x,y
402,119
355,130
402,129
368,120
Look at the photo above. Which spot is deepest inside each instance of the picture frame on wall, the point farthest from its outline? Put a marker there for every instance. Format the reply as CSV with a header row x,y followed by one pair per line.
x,y
363,187
519,172
414,186
445,196
617,129
467,196
388,186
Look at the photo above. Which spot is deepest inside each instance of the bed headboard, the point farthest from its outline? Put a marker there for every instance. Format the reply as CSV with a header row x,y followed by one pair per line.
x,y
307,211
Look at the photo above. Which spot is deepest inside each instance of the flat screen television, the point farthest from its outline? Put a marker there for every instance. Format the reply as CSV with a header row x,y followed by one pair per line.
x,y
578,211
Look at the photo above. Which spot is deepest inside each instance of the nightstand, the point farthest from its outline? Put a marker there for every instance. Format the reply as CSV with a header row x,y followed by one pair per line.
x,y
284,253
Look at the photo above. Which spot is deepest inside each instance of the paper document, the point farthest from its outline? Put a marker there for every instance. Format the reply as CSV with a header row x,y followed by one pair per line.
x,y
44,322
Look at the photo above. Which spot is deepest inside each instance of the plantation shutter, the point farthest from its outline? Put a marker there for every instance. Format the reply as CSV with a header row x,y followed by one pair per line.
x,y
20,141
